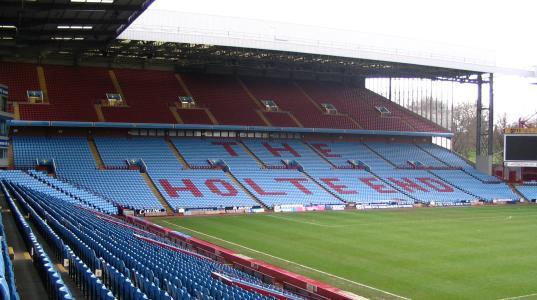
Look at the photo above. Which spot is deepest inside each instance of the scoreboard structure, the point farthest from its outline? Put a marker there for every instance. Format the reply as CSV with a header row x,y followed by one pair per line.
x,y
520,153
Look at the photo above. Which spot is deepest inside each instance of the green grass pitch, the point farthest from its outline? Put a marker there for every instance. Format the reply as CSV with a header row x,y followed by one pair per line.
x,y
430,253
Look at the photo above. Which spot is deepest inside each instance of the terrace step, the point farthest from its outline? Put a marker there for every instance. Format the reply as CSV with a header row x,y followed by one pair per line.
x,y
426,151
323,187
10,156
42,83
177,154
515,190
99,113
456,186
96,155
244,189
252,155
379,155
320,155
158,195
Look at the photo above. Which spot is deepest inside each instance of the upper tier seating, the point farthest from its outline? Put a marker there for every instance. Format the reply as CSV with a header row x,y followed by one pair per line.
x,y
358,186
72,94
200,189
289,98
148,95
157,271
360,104
226,99
73,91
154,151
489,192
278,187
198,151
272,152
403,155
19,78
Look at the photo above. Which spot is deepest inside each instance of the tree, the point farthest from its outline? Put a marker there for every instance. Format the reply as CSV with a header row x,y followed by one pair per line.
x,y
464,128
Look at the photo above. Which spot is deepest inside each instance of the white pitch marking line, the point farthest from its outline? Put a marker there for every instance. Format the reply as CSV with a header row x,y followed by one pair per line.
x,y
305,222
519,297
288,261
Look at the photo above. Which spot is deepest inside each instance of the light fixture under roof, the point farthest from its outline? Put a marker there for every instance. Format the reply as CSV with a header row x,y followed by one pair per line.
x,y
75,27
8,27
67,38
93,1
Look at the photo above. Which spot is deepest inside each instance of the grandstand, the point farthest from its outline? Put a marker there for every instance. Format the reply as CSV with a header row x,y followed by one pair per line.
x,y
109,145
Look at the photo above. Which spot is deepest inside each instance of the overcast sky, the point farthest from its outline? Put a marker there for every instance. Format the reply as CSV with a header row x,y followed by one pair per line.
x,y
506,28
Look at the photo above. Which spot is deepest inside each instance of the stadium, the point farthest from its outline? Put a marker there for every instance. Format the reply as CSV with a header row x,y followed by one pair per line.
x,y
155,154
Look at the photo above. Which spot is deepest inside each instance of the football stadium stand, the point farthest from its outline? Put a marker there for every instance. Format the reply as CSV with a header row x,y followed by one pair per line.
x,y
148,96
198,153
225,97
73,93
282,153
134,263
253,172
529,191
290,98
149,142
363,105
195,189
281,187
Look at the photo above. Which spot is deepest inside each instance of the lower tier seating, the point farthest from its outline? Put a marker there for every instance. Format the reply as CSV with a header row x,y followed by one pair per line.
x,y
197,152
529,191
278,187
250,158
358,187
134,263
127,188
200,189
273,152
424,186
8,289
465,182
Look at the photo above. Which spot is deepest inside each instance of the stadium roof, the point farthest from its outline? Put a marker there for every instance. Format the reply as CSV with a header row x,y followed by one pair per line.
x,y
193,28
43,26
87,31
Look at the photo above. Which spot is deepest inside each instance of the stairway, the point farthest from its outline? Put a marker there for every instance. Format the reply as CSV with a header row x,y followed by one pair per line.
x,y
244,189
323,187
454,185
115,82
252,155
96,155
319,154
175,115
379,155
435,157
177,154
393,186
42,83
99,113
157,194
515,190
10,156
